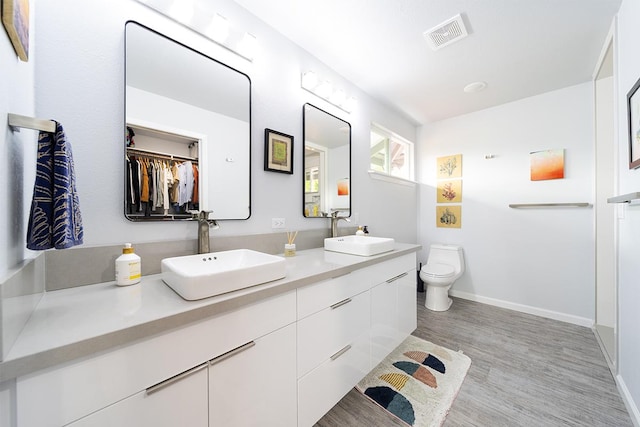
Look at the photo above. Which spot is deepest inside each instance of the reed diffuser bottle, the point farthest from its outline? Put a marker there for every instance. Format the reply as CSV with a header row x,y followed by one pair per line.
x,y
290,247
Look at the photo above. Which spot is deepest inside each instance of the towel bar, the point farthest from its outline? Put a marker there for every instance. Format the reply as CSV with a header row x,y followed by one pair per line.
x,y
624,198
549,205
17,121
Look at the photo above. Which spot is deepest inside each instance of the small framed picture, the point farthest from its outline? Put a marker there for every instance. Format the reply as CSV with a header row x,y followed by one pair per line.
x,y
633,112
15,17
278,152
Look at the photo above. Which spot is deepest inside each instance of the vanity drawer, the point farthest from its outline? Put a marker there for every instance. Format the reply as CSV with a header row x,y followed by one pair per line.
x,y
386,270
319,296
59,395
322,388
326,332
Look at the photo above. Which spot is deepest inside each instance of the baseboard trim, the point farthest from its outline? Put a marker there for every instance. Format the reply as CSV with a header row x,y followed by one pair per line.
x,y
563,317
605,353
632,409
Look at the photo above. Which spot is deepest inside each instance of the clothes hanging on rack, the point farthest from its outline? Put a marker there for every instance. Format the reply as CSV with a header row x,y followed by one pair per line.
x,y
157,186
195,198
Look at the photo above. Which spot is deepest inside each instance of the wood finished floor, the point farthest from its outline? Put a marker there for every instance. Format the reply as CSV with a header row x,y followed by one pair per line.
x,y
525,371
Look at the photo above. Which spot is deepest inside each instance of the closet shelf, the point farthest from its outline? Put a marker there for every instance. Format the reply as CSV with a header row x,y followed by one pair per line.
x,y
17,121
549,205
624,198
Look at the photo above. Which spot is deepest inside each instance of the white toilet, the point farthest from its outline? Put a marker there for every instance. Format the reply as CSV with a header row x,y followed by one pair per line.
x,y
444,266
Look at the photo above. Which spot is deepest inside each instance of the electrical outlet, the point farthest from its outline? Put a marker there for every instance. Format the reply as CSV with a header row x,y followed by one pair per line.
x,y
277,223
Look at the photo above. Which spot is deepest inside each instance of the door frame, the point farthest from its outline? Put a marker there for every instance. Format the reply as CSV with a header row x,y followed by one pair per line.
x,y
610,42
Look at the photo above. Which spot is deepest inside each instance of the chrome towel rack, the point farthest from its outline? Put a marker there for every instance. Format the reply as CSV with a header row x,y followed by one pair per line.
x,y
17,121
549,205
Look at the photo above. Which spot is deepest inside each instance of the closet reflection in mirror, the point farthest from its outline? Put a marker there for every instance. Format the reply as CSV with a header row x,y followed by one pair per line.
x,y
188,130
327,164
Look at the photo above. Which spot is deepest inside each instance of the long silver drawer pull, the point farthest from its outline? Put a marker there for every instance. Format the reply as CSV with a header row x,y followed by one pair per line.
x,y
232,353
341,303
168,382
399,276
341,352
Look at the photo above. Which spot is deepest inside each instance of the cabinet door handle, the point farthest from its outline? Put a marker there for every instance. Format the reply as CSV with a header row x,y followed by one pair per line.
x,y
340,275
341,352
232,353
174,379
399,276
341,303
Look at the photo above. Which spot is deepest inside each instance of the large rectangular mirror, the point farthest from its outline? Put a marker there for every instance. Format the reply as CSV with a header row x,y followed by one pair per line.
x,y
188,131
326,165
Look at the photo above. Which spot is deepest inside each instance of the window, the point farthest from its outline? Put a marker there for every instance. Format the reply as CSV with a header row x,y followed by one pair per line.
x,y
391,154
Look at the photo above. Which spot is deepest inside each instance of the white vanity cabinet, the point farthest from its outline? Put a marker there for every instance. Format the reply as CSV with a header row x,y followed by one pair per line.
x,y
346,326
393,306
255,384
114,385
333,342
178,401
282,360
407,301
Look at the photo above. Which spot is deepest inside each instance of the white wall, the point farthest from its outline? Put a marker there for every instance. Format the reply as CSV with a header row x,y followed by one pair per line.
x,y
627,71
17,153
535,260
79,76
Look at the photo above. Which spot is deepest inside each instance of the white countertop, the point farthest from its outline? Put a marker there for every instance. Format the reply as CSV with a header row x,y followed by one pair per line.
x,y
81,321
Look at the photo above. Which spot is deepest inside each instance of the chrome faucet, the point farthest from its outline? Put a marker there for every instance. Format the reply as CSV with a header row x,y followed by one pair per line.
x,y
204,224
334,222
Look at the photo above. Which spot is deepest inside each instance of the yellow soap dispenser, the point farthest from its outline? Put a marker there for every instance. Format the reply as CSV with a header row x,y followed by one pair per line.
x,y
128,267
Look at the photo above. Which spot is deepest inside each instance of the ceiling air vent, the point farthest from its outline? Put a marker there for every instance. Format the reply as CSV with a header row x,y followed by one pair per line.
x,y
446,33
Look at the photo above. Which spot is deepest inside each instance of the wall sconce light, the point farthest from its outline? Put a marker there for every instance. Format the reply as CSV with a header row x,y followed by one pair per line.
x,y
211,25
325,90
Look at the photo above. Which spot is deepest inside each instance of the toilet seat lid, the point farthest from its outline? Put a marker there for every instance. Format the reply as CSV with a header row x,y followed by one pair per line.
x,y
439,270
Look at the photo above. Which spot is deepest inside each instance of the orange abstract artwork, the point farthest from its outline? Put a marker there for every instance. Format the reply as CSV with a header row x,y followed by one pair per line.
x,y
547,164
343,187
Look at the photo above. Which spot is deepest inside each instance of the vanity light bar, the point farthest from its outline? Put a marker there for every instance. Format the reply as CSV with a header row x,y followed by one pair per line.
x,y
211,25
324,90
218,29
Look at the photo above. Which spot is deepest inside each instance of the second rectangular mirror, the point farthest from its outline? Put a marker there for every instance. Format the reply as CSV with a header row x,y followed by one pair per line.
x,y
326,165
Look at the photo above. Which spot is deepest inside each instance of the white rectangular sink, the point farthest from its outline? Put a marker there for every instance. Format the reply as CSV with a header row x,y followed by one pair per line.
x,y
359,245
195,277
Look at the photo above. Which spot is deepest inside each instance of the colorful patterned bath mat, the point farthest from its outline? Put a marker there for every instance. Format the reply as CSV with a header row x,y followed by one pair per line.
x,y
417,382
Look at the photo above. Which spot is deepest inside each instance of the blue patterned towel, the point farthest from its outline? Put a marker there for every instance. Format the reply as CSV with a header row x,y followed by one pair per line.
x,y
55,220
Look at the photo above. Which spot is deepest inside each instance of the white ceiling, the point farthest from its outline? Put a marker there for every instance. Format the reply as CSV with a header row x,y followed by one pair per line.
x,y
520,48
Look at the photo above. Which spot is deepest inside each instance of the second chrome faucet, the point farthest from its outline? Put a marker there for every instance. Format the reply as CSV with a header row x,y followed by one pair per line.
x,y
334,222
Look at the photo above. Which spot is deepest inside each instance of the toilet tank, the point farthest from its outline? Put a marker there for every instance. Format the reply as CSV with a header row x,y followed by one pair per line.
x,y
447,254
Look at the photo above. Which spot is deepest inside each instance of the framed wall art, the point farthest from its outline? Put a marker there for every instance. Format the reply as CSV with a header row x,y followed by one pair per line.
x,y
449,216
449,166
278,152
15,17
633,116
449,191
547,164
